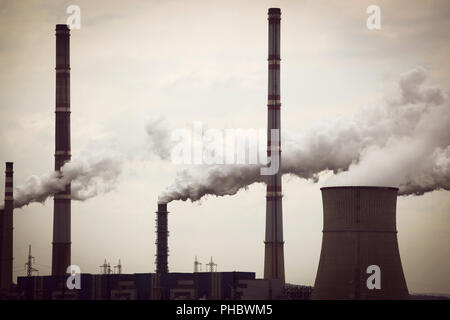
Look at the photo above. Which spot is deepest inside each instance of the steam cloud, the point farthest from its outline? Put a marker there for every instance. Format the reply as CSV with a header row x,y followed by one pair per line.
x,y
88,177
405,142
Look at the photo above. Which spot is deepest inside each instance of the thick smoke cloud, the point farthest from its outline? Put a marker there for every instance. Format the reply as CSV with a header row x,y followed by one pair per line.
x,y
195,182
405,142
410,141
88,177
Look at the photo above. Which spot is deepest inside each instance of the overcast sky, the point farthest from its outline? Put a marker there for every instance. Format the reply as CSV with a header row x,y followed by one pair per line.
x,y
206,61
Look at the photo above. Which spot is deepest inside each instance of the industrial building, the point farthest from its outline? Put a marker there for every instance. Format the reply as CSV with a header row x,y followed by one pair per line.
x,y
141,286
169,286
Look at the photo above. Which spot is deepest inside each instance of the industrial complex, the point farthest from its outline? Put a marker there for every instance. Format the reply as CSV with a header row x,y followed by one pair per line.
x,y
359,231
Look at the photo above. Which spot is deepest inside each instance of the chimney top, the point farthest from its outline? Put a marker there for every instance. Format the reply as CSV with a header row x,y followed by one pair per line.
x,y
62,27
274,11
358,187
9,166
162,207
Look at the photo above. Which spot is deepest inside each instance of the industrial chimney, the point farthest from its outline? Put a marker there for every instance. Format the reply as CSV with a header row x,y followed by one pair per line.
x,y
6,249
274,253
61,209
1,241
359,244
162,234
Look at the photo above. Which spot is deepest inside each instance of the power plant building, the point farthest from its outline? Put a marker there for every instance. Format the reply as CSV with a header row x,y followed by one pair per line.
x,y
140,286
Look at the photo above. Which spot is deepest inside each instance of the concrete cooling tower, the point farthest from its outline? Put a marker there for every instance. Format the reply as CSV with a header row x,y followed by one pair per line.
x,y
360,257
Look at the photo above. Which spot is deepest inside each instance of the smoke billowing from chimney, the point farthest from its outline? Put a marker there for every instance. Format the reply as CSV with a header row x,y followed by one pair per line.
x,y
88,177
195,182
405,142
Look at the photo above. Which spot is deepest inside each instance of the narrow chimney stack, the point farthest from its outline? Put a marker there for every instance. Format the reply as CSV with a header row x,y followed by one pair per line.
x,y
61,209
1,240
274,244
6,253
162,234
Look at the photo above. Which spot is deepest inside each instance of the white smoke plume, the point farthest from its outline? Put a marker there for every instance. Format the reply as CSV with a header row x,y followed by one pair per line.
x,y
88,177
195,182
159,142
410,146
405,142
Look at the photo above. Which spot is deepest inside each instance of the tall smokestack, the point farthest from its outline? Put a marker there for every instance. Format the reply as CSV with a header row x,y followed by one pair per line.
x,y
359,242
274,253
1,240
61,209
6,253
162,234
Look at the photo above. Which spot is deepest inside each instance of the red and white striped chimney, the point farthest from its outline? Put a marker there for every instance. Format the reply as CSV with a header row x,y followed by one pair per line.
x,y
6,243
274,244
61,209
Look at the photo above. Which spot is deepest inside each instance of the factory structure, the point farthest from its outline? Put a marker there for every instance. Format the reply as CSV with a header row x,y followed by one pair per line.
x,y
359,231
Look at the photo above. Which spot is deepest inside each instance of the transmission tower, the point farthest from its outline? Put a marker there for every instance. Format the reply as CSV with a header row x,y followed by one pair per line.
x,y
212,266
118,267
29,263
104,267
197,265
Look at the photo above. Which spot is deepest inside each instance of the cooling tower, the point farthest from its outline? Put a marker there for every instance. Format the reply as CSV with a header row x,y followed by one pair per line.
x,y
359,236
6,233
162,234
274,244
61,207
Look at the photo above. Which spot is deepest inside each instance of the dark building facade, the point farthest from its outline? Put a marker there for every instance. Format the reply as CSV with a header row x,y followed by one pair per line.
x,y
138,286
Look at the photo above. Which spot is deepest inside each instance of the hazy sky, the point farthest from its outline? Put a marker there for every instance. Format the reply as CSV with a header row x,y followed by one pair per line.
x,y
207,61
